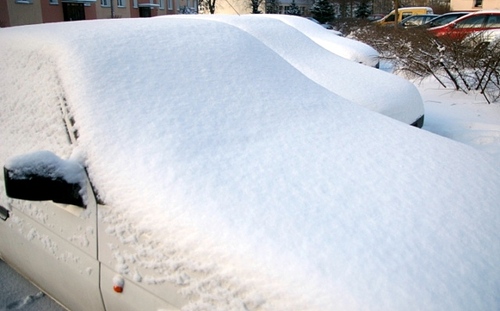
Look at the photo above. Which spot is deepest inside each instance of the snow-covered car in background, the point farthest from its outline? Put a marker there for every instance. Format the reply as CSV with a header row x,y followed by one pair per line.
x,y
325,25
182,164
367,87
345,47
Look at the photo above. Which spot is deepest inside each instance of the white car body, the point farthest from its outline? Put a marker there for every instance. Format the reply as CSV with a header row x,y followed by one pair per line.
x,y
244,185
345,47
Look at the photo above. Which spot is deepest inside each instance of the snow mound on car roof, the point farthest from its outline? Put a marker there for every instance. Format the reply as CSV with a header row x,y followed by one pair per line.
x,y
371,88
270,192
348,48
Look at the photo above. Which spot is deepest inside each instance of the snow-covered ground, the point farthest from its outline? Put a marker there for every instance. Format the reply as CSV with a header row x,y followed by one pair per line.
x,y
466,118
17,293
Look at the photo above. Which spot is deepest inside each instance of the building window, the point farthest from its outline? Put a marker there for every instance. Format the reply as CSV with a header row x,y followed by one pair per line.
x,y
105,3
170,4
162,4
120,3
478,3
24,1
54,2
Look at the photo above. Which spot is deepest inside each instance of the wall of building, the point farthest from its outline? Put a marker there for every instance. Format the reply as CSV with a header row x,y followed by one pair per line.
x,y
474,5
51,12
24,12
4,14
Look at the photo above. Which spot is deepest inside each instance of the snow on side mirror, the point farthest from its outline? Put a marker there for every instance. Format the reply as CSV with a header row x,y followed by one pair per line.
x,y
42,176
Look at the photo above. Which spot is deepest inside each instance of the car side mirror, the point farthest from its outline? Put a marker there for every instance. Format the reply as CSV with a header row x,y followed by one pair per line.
x,y
43,176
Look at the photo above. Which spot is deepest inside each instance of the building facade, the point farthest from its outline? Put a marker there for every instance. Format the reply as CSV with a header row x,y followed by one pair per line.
x,y
24,12
474,5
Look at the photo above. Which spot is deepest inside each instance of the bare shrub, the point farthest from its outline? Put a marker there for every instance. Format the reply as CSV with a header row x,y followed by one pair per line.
x,y
471,65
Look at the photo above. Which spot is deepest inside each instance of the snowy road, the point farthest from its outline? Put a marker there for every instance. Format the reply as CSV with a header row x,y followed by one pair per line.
x,y
17,293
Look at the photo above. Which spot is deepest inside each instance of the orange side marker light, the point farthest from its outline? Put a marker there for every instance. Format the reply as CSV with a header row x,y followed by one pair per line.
x,y
118,283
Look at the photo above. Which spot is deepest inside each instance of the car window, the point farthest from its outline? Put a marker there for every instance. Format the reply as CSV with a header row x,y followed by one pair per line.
x,y
444,20
390,18
410,21
405,15
493,21
472,22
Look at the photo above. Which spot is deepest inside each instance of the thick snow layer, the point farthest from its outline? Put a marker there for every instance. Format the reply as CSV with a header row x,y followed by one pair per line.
x,y
371,88
466,118
296,198
47,165
348,48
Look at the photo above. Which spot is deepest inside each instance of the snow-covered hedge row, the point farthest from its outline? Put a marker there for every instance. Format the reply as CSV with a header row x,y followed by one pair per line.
x,y
471,65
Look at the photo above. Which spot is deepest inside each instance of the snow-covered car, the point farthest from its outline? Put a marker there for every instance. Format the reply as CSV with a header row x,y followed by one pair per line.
x,y
182,164
345,47
364,86
325,25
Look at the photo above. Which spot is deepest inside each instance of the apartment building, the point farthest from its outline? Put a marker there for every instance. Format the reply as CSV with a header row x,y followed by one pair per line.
x,y
24,12
474,5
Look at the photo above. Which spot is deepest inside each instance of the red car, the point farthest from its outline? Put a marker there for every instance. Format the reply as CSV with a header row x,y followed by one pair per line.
x,y
465,25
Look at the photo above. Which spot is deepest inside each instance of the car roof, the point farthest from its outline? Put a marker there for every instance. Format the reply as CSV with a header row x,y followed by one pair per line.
x,y
319,67
446,15
479,13
482,12
420,15
345,47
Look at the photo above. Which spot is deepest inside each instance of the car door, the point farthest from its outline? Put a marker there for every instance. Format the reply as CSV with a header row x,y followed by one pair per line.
x,y
468,26
136,274
493,21
54,245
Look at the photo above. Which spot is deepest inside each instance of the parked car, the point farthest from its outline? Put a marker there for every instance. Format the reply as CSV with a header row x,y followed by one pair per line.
x,y
468,24
416,20
325,25
403,13
444,19
345,47
486,39
182,164
293,45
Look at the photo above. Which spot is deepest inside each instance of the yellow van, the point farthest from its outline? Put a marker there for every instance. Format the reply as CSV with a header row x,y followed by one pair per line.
x,y
403,13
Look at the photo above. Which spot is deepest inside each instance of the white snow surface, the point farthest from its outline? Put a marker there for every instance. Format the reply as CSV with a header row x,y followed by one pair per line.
x,y
371,88
47,164
346,47
295,197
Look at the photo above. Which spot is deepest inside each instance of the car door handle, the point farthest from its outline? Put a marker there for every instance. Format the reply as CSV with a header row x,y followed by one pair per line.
x,y
4,213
